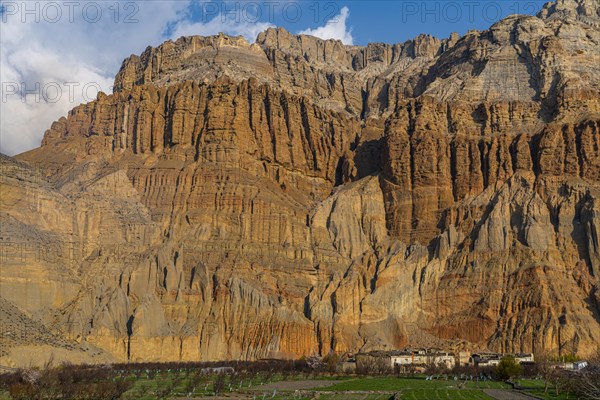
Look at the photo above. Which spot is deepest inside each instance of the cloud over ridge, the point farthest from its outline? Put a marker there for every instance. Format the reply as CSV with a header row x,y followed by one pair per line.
x,y
55,59
335,28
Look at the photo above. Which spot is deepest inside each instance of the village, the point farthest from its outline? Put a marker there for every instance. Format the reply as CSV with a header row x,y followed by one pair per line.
x,y
420,359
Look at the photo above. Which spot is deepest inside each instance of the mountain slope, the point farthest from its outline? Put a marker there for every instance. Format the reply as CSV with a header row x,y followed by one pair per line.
x,y
297,195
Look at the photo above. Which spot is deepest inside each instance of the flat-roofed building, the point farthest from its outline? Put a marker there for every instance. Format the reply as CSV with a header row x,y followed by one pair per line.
x,y
524,357
420,357
485,359
493,359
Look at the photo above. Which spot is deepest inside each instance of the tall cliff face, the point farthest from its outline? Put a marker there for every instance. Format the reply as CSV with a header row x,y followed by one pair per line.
x,y
297,196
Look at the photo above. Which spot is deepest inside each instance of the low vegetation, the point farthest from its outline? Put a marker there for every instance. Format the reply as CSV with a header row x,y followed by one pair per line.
x,y
508,368
272,379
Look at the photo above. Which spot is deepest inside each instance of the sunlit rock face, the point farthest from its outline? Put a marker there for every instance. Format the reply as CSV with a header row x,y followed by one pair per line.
x,y
296,196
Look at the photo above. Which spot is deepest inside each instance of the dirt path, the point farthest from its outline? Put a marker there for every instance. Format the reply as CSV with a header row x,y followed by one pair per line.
x,y
295,385
502,394
233,396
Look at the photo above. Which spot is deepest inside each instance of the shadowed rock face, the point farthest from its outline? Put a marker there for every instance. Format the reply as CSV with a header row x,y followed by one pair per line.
x,y
297,195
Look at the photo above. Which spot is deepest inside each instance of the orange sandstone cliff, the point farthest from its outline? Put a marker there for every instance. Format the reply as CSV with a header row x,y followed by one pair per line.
x,y
296,196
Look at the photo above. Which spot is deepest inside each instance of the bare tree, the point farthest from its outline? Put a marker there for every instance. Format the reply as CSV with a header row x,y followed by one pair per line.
x,y
586,382
372,365
219,383
315,362
544,368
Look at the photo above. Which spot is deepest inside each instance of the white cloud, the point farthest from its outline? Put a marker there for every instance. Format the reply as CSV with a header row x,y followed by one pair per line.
x,y
74,49
83,48
220,23
335,28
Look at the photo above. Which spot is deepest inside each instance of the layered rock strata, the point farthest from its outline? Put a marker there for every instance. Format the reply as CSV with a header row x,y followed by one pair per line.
x,y
297,196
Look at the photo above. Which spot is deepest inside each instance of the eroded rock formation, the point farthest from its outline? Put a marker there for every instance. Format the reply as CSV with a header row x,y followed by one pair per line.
x,y
296,196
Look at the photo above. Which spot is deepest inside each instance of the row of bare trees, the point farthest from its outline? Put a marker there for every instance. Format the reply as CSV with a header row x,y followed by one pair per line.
x,y
585,383
84,382
110,382
63,383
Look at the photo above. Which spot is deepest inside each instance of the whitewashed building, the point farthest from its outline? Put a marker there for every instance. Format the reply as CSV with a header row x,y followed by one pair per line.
x,y
524,357
424,357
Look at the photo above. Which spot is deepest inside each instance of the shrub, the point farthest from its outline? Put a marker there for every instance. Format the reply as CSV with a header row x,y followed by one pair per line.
x,y
508,368
23,391
330,362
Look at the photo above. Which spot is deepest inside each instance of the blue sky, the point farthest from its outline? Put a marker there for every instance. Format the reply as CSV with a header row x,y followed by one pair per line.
x,y
397,21
388,21
55,55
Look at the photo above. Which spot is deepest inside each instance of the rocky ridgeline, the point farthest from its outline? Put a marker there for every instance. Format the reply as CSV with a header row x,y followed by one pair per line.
x,y
295,195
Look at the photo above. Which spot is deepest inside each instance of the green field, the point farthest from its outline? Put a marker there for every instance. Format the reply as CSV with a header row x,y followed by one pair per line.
x,y
414,388
536,388
452,394
169,385
414,395
394,384
419,388
172,384
350,396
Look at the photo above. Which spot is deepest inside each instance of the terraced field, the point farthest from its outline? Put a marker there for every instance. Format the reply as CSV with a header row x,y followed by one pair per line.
x,y
395,384
170,382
